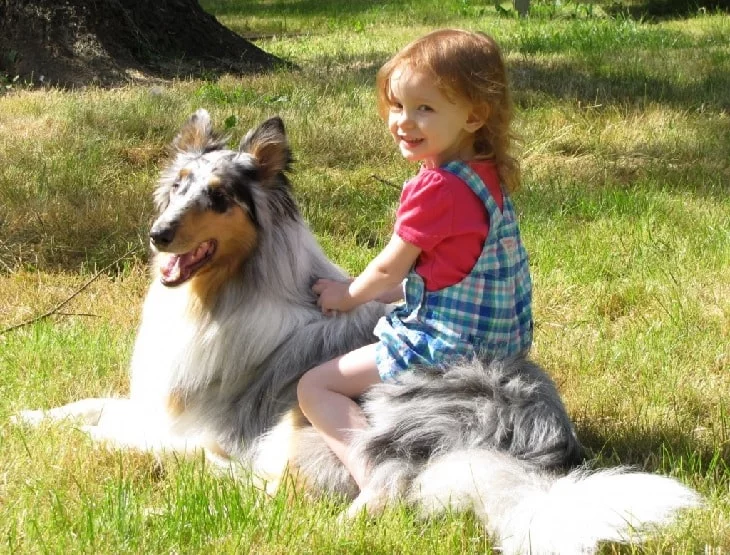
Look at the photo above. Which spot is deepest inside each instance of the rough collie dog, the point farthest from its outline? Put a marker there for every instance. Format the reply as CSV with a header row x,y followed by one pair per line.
x,y
230,324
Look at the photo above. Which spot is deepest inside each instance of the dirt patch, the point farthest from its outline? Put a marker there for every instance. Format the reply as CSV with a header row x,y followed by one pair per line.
x,y
112,42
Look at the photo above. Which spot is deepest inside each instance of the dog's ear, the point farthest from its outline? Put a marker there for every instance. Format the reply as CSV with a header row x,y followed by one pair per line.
x,y
269,146
197,135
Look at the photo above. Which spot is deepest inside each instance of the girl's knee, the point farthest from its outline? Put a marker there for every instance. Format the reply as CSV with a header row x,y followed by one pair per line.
x,y
310,385
303,388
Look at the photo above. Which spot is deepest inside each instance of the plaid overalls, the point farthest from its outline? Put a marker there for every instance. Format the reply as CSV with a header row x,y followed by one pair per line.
x,y
488,312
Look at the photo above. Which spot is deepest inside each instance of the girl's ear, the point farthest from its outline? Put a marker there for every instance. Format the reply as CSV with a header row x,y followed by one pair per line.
x,y
475,122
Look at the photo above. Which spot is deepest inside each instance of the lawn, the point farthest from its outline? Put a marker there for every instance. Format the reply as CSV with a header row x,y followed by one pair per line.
x,y
624,209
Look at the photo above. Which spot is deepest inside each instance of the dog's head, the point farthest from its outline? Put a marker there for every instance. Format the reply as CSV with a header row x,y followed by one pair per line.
x,y
211,200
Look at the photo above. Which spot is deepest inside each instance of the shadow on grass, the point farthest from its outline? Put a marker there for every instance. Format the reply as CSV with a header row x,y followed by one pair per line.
x,y
655,451
610,85
300,8
664,9
583,71
583,200
356,69
638,9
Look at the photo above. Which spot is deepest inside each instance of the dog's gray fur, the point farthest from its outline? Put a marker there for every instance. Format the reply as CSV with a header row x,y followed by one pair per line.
x,y
488,436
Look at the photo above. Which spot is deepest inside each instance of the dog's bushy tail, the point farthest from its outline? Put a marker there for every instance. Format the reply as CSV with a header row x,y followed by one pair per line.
x,y
536,513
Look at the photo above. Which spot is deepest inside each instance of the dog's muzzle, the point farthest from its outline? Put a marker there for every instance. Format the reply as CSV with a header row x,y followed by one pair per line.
x,y
162,235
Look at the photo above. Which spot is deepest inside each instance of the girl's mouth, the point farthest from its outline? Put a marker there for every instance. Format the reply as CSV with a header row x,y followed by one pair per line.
x,y
411,142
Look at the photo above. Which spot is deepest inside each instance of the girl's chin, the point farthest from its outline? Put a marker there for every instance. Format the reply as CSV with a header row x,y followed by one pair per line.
x,y
410,155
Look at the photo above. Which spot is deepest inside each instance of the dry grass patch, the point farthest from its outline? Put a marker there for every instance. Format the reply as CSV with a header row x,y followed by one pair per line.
x,y
25,295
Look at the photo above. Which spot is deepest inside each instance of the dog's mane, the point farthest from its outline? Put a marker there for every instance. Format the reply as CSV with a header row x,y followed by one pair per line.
x,y
266,315
277,279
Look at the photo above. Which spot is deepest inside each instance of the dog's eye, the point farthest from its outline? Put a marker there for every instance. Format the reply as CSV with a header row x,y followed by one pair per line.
x,y
218,200
175,185
250,174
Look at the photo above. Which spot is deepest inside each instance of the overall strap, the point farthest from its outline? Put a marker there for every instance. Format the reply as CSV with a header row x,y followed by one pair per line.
x,y
464,172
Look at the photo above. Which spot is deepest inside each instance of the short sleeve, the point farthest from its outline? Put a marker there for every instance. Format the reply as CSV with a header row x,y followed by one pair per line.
x,y
426,212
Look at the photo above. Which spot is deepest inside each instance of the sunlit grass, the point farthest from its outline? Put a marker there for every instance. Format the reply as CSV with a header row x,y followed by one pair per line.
x,y
624,210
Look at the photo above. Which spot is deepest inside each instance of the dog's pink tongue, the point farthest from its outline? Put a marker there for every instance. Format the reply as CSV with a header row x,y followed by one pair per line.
x,y
172,270
178,265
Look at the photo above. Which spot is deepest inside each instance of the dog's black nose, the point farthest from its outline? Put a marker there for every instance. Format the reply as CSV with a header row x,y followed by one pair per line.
x,y
162,236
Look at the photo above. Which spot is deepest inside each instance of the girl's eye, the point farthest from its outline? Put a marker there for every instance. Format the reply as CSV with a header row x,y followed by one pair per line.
x,y
396,107
425,108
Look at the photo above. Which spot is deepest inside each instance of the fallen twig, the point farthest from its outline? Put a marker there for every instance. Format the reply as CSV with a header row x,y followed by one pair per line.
x,y
85,314
59,306
384,181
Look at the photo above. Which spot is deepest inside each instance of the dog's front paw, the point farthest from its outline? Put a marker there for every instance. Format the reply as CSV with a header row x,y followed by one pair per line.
x,y
99,434
370,502
28,417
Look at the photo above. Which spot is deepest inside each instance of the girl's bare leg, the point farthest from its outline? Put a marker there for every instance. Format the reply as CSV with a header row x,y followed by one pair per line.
x,y
326,396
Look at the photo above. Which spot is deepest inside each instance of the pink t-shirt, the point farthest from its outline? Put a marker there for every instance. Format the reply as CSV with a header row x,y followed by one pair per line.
x,y
442,216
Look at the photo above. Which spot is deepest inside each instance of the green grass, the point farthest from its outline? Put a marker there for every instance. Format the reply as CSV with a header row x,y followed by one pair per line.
x,y
625,212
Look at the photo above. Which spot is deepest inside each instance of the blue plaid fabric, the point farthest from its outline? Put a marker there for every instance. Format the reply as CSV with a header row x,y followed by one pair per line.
x,y
489,311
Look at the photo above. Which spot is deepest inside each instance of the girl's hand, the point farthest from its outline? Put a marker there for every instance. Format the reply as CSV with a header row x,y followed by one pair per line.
x,y
381,275
333,296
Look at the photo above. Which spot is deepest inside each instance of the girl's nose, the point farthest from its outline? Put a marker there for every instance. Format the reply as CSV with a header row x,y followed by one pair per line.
x,y
404,119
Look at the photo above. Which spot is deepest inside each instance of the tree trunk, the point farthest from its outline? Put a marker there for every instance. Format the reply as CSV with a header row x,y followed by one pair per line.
x,y
522,7
108,42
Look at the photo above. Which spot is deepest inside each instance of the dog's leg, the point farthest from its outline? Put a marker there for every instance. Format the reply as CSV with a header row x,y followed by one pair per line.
x,y
139,438
388,483
125,424
273,451
128,424
86,411
104,419
372,501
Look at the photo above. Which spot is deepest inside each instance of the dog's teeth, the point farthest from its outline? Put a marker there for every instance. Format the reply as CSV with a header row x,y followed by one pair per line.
x,y
174,273
171,271
179,267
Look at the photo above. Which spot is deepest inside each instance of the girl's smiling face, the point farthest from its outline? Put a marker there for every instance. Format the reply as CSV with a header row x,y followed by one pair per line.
x,y
427,125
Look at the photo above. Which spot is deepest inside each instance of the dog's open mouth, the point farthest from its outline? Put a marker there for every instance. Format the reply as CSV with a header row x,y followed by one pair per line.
x,y
181,267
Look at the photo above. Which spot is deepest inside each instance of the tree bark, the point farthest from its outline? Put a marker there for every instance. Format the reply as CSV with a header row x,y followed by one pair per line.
x,y
522,7
109,42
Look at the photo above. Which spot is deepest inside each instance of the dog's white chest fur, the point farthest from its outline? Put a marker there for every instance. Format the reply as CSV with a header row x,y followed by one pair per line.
x,y
165,343
180,349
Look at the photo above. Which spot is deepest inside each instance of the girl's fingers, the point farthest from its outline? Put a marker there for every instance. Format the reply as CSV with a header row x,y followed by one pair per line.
x,y
320,285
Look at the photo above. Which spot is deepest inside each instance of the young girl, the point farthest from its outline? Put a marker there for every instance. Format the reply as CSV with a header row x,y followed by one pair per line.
x,y
456,240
